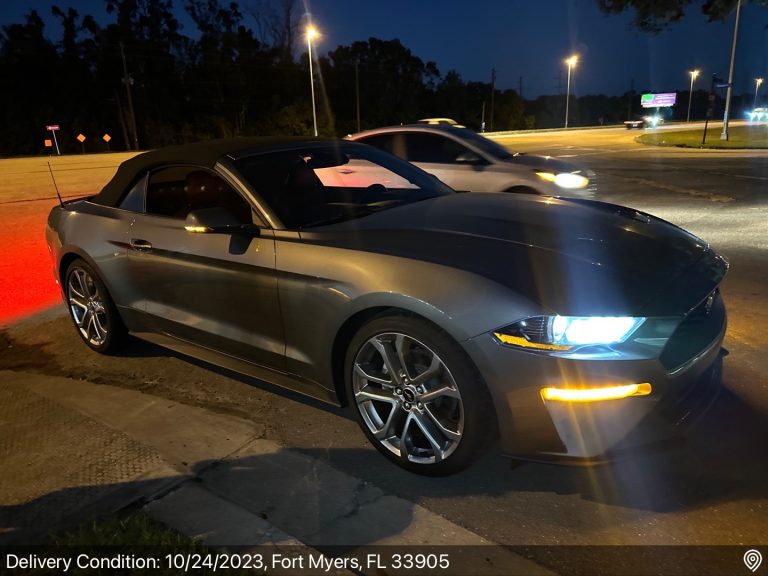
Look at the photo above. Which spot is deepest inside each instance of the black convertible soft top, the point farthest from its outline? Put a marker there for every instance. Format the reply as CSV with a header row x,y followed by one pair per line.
x,y
205,154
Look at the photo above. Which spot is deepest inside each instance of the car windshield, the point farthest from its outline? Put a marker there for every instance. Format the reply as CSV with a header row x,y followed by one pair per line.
x,y
488,146
318,185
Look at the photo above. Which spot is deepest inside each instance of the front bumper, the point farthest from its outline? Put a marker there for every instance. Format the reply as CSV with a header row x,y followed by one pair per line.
x,y
580,432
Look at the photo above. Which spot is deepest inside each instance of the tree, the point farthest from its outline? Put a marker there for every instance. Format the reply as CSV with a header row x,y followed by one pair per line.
x,y
148,33
655,15
28,63
393,83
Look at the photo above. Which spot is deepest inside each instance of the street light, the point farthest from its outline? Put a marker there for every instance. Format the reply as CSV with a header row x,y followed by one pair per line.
x,y
729,90
312,33
571,62
758,82
694,74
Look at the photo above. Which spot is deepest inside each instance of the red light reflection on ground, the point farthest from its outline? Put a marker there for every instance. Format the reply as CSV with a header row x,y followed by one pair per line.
x,y
26,277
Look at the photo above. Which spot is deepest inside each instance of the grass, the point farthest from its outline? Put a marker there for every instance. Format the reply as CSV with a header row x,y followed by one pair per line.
x,y
126,534
131,529
752,136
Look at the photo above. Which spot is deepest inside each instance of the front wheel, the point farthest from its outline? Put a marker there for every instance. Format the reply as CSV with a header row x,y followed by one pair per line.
x,y
417,396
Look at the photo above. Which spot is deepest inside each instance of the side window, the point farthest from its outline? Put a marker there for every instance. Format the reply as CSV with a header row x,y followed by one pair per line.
x,y
380,141
177,190
206,189
166,194
433,148
134,200
392,143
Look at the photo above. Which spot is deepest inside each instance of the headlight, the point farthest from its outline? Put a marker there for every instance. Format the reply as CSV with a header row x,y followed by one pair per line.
x,y
569,180
564,333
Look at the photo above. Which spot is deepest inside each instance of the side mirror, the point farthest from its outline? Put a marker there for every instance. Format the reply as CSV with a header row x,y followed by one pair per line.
x,y
217,221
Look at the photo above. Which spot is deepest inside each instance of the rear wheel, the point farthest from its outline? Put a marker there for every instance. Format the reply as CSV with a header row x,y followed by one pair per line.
x,y
91,308
417,396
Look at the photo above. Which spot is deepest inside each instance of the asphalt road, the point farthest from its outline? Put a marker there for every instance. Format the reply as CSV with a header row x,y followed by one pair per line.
x,y
708,489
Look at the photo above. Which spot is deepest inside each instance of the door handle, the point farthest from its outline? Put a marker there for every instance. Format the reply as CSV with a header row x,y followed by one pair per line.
x,y
140,245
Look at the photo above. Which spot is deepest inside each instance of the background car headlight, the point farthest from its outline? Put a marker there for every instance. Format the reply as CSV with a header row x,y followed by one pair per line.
x,y
564,333
568,180
652,120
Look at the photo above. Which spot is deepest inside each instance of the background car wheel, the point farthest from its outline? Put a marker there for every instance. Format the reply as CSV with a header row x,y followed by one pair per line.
x,y
417,396
91,309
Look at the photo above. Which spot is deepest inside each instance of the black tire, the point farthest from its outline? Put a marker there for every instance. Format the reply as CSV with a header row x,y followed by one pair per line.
x,y
521,190
91,309
412,402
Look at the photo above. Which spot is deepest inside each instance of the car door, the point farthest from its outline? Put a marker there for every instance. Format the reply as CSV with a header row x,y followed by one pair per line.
x,y
217,290
452,162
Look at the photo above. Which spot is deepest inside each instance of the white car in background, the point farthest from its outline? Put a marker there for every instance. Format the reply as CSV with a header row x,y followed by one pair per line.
x,y
445,121
469,162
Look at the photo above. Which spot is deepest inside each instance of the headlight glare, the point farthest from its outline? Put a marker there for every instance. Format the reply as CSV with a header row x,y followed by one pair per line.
x,y
571,180
593,330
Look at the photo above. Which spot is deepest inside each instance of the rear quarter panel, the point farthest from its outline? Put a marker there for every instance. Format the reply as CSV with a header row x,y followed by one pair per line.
x,y
99,235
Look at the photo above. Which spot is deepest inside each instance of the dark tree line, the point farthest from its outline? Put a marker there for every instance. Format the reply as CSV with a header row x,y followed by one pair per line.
x,y
655,15
222,79
145,82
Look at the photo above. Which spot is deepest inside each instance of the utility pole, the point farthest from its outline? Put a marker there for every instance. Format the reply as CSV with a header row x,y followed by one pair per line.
x,y
711,100
629,100
493,89
724,134
121,118
127,81
520,89
357,91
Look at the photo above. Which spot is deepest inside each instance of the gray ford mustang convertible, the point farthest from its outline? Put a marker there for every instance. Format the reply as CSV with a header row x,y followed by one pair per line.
x,y
572,329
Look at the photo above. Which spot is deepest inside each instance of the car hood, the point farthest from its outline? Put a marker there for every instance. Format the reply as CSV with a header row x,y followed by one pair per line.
x,y
545,163
572,257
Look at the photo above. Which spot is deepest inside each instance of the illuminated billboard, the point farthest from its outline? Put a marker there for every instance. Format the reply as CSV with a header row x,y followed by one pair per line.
x,y
658,100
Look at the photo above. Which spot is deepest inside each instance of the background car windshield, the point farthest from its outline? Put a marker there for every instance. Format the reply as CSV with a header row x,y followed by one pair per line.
x,y
314,186
486,145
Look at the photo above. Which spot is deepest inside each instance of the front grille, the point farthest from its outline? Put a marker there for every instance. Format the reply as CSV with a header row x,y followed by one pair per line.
x,y
698,330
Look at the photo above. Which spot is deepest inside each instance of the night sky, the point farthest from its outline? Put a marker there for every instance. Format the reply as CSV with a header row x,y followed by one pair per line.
x,y
520,39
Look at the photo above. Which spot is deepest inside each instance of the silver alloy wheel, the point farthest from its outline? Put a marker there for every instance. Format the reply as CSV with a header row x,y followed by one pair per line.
x,y
408,398
87,306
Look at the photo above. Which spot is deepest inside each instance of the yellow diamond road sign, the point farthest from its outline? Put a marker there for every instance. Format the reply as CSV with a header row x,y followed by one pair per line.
x,y
106,137
81,138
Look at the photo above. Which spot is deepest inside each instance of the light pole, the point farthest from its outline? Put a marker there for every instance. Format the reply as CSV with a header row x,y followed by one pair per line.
x,y
758,82
571,62
312,33
694,74
729,91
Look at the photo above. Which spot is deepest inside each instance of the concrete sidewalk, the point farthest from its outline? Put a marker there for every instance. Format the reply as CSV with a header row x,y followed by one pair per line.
x,y
72,450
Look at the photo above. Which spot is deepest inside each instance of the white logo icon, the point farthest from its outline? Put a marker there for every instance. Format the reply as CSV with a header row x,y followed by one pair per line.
x,y
753,559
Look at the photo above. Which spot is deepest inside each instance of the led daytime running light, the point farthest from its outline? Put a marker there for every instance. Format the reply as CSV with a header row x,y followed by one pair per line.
x,y
523,343
198,229
595,394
